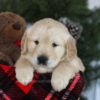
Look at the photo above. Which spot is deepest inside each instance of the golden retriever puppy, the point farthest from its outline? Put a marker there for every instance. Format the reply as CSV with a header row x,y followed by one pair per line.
x,y
47,46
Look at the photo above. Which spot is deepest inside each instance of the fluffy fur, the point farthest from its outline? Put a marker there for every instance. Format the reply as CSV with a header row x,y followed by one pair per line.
x,y
12,27
52,39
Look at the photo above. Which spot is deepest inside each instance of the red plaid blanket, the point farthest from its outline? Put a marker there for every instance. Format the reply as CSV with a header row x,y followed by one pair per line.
x,y
39,89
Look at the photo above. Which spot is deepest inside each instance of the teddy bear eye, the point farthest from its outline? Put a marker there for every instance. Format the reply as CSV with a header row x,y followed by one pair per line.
x,y
36,42
54,44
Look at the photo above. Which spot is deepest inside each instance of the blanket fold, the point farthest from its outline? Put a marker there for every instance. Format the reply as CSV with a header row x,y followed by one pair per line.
x,y
39,89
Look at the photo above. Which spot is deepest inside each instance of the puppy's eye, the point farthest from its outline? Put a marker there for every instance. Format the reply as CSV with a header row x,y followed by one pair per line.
x,y
36,42
54,44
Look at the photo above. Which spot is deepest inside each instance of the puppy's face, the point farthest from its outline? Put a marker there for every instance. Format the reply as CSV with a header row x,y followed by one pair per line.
x,y
45,44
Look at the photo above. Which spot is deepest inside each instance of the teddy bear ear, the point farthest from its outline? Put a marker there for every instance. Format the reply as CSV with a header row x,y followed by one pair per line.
x,y
75,29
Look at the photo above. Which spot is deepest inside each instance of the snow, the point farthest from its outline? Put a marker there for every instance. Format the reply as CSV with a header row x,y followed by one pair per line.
x,y
92,4
93,93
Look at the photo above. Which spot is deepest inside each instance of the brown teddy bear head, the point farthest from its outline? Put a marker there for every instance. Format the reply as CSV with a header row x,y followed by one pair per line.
x,y
11,25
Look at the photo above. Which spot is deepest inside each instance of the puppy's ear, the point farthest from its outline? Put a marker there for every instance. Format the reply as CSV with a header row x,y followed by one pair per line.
x,y
24,42
71,50
71,55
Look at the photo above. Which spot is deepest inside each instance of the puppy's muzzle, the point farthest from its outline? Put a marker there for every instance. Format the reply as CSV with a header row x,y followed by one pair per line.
x,y
42,60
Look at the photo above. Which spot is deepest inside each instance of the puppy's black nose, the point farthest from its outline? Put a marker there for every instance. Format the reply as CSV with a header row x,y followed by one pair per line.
x,y
42,60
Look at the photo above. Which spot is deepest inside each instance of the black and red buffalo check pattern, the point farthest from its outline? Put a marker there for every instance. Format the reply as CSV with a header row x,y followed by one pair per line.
x,y
39,89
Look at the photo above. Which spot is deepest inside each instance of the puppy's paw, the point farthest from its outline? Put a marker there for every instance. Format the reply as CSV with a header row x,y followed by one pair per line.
x,y
24,76
59,81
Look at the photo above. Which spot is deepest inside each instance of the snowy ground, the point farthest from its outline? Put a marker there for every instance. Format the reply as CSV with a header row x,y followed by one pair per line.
x,y
93,93
92,4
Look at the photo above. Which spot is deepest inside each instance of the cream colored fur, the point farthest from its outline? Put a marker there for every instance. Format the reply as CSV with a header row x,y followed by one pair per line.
x,y
63,61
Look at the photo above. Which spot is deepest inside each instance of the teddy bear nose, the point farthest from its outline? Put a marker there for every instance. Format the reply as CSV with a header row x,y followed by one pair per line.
x,y
42,60
16,26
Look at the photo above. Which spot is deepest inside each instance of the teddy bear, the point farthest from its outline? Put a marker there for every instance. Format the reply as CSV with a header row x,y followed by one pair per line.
x,y
12,27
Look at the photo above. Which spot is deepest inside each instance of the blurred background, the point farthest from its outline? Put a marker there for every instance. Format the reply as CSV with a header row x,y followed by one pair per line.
x,y
85,12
